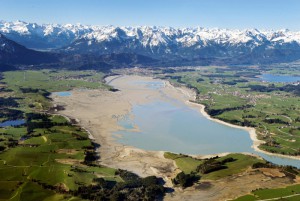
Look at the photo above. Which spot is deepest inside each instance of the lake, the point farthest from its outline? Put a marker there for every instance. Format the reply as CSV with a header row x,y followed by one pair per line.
x,y
279,78
170,125
12,123
63,93
182,129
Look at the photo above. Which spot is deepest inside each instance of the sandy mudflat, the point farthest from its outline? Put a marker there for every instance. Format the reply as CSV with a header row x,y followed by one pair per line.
x,y
98,111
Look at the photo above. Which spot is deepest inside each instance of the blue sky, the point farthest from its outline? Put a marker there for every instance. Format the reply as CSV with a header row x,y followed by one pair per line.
x,y
262,14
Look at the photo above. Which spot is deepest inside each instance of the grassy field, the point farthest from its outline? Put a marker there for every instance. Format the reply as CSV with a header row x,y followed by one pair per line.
x,y
44,81
57,151
290,193
50,158
188,165
53,80
240,164
185,163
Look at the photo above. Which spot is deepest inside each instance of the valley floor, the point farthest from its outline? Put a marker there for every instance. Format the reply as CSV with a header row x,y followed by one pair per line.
x,y
99,111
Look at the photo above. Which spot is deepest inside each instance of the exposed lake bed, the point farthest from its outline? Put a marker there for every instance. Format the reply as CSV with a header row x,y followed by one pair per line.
x,y
100,110
122,123
151,114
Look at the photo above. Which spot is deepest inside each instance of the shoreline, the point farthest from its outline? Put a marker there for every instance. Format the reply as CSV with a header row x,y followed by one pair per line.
x,y
191,94
250,130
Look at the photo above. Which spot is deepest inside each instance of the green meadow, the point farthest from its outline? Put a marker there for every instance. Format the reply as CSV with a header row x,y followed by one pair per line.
x,y
39,164
188,165
52,157
39,83
290,193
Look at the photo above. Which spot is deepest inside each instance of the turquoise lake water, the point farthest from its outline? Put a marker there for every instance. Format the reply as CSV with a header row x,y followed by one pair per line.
x,y
176,127
63,93
179,128
279,78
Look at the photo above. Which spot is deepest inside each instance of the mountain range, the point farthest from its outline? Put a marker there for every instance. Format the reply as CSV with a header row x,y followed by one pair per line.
x,y
13,56
166,44
13,53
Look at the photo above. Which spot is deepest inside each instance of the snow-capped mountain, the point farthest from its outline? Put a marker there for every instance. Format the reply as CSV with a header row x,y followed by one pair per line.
x,y
44,36
158,42
191,43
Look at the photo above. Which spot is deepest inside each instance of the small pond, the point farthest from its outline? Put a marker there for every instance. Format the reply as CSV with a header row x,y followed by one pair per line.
x,y
63,93
279,78
17,122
